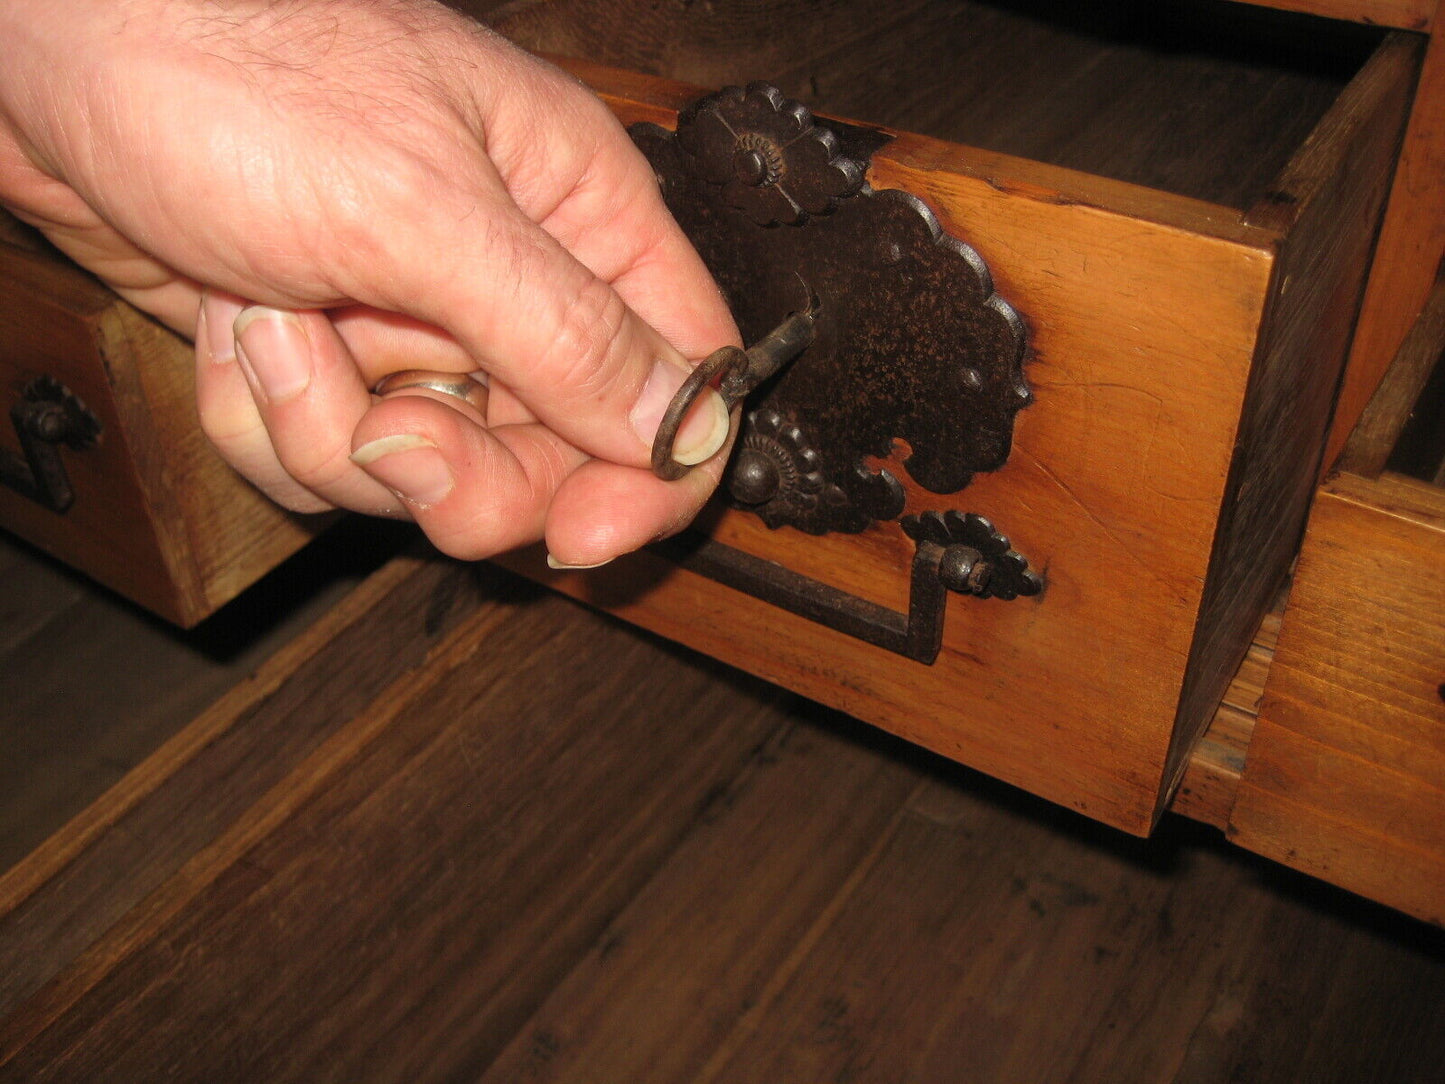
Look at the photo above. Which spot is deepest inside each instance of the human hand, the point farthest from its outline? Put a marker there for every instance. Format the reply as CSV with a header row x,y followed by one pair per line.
x,y
326,191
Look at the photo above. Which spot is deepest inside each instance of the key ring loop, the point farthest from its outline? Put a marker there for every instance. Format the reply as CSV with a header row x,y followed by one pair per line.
x,y
726,361
742,371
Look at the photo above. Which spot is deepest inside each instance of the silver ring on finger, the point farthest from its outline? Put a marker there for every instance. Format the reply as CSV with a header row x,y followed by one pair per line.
x,y
468,387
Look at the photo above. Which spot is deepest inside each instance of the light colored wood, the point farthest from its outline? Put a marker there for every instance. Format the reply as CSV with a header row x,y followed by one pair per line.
x,y
1346,771
1093,284
158,516
1407,255
1401,14
1140,370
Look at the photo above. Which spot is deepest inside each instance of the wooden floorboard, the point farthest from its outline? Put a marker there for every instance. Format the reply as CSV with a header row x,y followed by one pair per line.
x,y
461,856
90,685
703,942
542,847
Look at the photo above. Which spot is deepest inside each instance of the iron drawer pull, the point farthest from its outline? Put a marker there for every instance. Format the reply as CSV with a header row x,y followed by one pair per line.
x,y
48,415
959,552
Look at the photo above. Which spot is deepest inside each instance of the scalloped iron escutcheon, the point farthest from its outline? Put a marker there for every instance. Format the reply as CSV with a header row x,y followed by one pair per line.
x,y
902,337
912,343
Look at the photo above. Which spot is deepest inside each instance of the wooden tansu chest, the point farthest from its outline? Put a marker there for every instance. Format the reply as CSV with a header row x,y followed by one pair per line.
x,y
1083,279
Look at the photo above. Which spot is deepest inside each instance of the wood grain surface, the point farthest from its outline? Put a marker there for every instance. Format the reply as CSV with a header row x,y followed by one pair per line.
x,y
50,324
1205,100
78,679
461,803
1211,777
1389,411
1327,204
65,893
560,851
1409,252
1346,771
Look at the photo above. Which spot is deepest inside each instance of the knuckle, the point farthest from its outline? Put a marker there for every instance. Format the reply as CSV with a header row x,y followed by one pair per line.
x,y
294,498
590,345
317,464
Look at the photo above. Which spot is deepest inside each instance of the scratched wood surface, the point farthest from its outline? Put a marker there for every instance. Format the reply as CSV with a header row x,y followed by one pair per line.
x,y
561,851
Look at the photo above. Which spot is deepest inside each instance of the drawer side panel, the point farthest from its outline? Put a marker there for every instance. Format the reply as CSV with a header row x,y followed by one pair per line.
x,y
1328,205
51,325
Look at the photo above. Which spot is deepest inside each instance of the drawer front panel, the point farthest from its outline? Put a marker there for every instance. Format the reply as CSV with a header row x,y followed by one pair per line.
x,y
1181,356
1142,319
51,326
157,515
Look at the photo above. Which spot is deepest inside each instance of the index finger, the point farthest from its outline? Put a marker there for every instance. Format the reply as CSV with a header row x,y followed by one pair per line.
x,y
561,277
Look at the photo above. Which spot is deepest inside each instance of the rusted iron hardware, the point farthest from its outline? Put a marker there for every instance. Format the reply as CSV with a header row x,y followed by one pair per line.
x,y
910,342
956,552
870,326
47,416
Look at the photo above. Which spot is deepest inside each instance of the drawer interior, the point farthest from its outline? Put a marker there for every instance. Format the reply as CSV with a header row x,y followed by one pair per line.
x,y
1200,98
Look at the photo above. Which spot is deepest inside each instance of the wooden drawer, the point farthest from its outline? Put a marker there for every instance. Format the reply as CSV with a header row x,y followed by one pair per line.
x,y
1345,772
156,514
1186,244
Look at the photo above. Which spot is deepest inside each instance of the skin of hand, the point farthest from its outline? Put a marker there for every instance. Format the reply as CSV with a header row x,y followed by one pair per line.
x,y
325,191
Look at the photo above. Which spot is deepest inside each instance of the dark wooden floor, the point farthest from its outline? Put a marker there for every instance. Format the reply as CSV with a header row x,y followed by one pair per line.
x,y
90,685
605,860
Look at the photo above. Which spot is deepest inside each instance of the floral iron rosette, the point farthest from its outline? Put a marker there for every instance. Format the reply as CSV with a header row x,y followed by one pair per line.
x,y
773,163
977,559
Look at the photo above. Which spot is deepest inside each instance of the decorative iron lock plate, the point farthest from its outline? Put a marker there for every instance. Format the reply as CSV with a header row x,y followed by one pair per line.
x,y
870,325
910,340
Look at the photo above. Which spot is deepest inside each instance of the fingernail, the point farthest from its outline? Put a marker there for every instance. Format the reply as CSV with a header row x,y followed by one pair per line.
x,y
409,465
273,349
552,562
214,328
703,431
